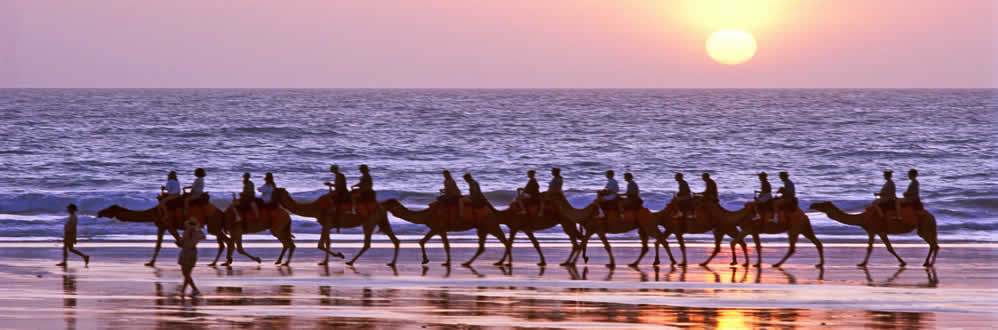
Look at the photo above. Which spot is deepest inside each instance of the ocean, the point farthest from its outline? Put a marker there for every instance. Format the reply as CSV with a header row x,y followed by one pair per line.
x,y
97,147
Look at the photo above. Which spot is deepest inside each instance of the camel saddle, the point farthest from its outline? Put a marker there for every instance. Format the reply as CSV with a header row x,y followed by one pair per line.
x,y
909,215
179,202
532,208
363,208
449,214
627,216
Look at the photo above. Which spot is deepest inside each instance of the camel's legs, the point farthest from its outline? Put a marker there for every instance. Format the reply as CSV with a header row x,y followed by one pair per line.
x,y
573,234
734,253
682,247
758,249
387,229
583,245
869,249
443,236
537,246
324,244
280,257
512,238
482,235
887,242
792,238
159,243
718,235
929,237
662,239
809,234
222,242
239,248
609,251
368,231
741,242
644,247
422,245
497,232
288,242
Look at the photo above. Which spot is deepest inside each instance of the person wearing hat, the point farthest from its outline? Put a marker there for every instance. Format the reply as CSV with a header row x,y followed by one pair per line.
x,y
69,237
189,253
451,194
684,196
170,191
196,189
788,193
248,195
364,188
911,196
340,192
710,188
888,195
764,195
531,190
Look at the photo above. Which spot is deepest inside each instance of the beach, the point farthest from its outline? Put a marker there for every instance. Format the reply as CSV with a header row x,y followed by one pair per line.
x,y
117,291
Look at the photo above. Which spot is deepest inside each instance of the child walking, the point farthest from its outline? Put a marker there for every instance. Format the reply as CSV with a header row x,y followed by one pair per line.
x,y
69,238
189,253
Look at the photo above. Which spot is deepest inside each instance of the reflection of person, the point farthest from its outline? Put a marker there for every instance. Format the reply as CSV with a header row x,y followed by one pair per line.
x,y
69,238
189,253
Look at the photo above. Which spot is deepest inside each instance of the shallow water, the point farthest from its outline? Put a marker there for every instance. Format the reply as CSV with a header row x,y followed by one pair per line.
x,y
99,147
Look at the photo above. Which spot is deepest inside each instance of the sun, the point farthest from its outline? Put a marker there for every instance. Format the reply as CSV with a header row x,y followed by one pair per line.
x,y
731,46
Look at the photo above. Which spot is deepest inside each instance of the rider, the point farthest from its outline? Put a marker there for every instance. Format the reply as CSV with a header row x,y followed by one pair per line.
x,y
196,189
911,196
531,191
171,191
763,200
475,192
340,192
365,187
632,197
788,193
248,195
609,192
887,194
684,196
710,192
267,189
451,194
554,187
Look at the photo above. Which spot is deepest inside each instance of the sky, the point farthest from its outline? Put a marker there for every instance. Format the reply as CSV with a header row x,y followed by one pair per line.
x,y
495,44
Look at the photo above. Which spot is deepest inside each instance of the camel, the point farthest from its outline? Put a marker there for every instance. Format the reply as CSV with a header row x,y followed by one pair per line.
x,y
487,224
726,224
641,220
926,229
530,222
273,218
321,210
214,224
793,224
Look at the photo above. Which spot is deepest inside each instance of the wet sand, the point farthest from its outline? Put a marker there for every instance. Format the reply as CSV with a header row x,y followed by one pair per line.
x,y
117,291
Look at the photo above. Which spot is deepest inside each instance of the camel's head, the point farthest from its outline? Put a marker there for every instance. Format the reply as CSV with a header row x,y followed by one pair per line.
x,y
109,212
821,206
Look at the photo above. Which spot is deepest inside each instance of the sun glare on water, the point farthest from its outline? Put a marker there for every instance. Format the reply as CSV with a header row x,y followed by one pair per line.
x,y
731,46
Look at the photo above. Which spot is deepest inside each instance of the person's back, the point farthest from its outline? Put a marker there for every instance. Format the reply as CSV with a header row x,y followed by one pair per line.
x,y
267,193
475,193
888,192
532,188
198,187
173,186
450,188
710,190
555,186
684,190
340,185
788,193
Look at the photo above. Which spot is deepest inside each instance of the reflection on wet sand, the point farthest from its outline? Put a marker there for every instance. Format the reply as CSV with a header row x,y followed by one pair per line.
x,y
69,298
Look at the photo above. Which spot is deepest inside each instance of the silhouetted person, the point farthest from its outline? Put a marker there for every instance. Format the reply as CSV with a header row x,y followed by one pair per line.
x,y
69,238
248,195
765,195
451,194
788,193
632,196
684,196
608,193
170,191
475,192
911,195
365,187
530,191
340,192
196,189
888,195
189,254
710,192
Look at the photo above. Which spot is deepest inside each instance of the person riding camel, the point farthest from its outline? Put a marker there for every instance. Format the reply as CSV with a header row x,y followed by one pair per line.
x,y
608,193
248,195
475,192
788,193
340,192
764,197
364,188
888,196
267,189
170,191
531,191
554,187
911,196
684,196
197,189
451,194
710,192
632,197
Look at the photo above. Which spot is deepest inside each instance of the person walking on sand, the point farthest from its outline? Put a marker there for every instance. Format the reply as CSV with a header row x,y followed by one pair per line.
x,y
69,238
189,254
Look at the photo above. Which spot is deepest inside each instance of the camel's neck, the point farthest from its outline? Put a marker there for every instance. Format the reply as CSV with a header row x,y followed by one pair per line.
x,y
837,214
421,217
573,214
126,215
732,216
310,210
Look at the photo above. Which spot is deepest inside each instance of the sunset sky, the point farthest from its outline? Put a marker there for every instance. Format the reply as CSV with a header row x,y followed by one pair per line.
x,y
495,44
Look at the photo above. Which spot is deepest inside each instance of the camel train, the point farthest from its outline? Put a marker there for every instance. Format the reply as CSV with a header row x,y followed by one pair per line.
x,y
699,215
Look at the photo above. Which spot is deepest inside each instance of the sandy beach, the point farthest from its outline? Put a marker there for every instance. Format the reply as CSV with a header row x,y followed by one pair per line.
x,y
117,291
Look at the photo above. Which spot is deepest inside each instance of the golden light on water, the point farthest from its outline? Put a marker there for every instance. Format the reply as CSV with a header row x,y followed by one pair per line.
x,y
731,46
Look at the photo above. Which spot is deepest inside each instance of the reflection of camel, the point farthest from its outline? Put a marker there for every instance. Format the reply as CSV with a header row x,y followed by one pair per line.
x,y
709,217
483,227
640,220
793,227
322,210
926,229
152,215
274,219
529,222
